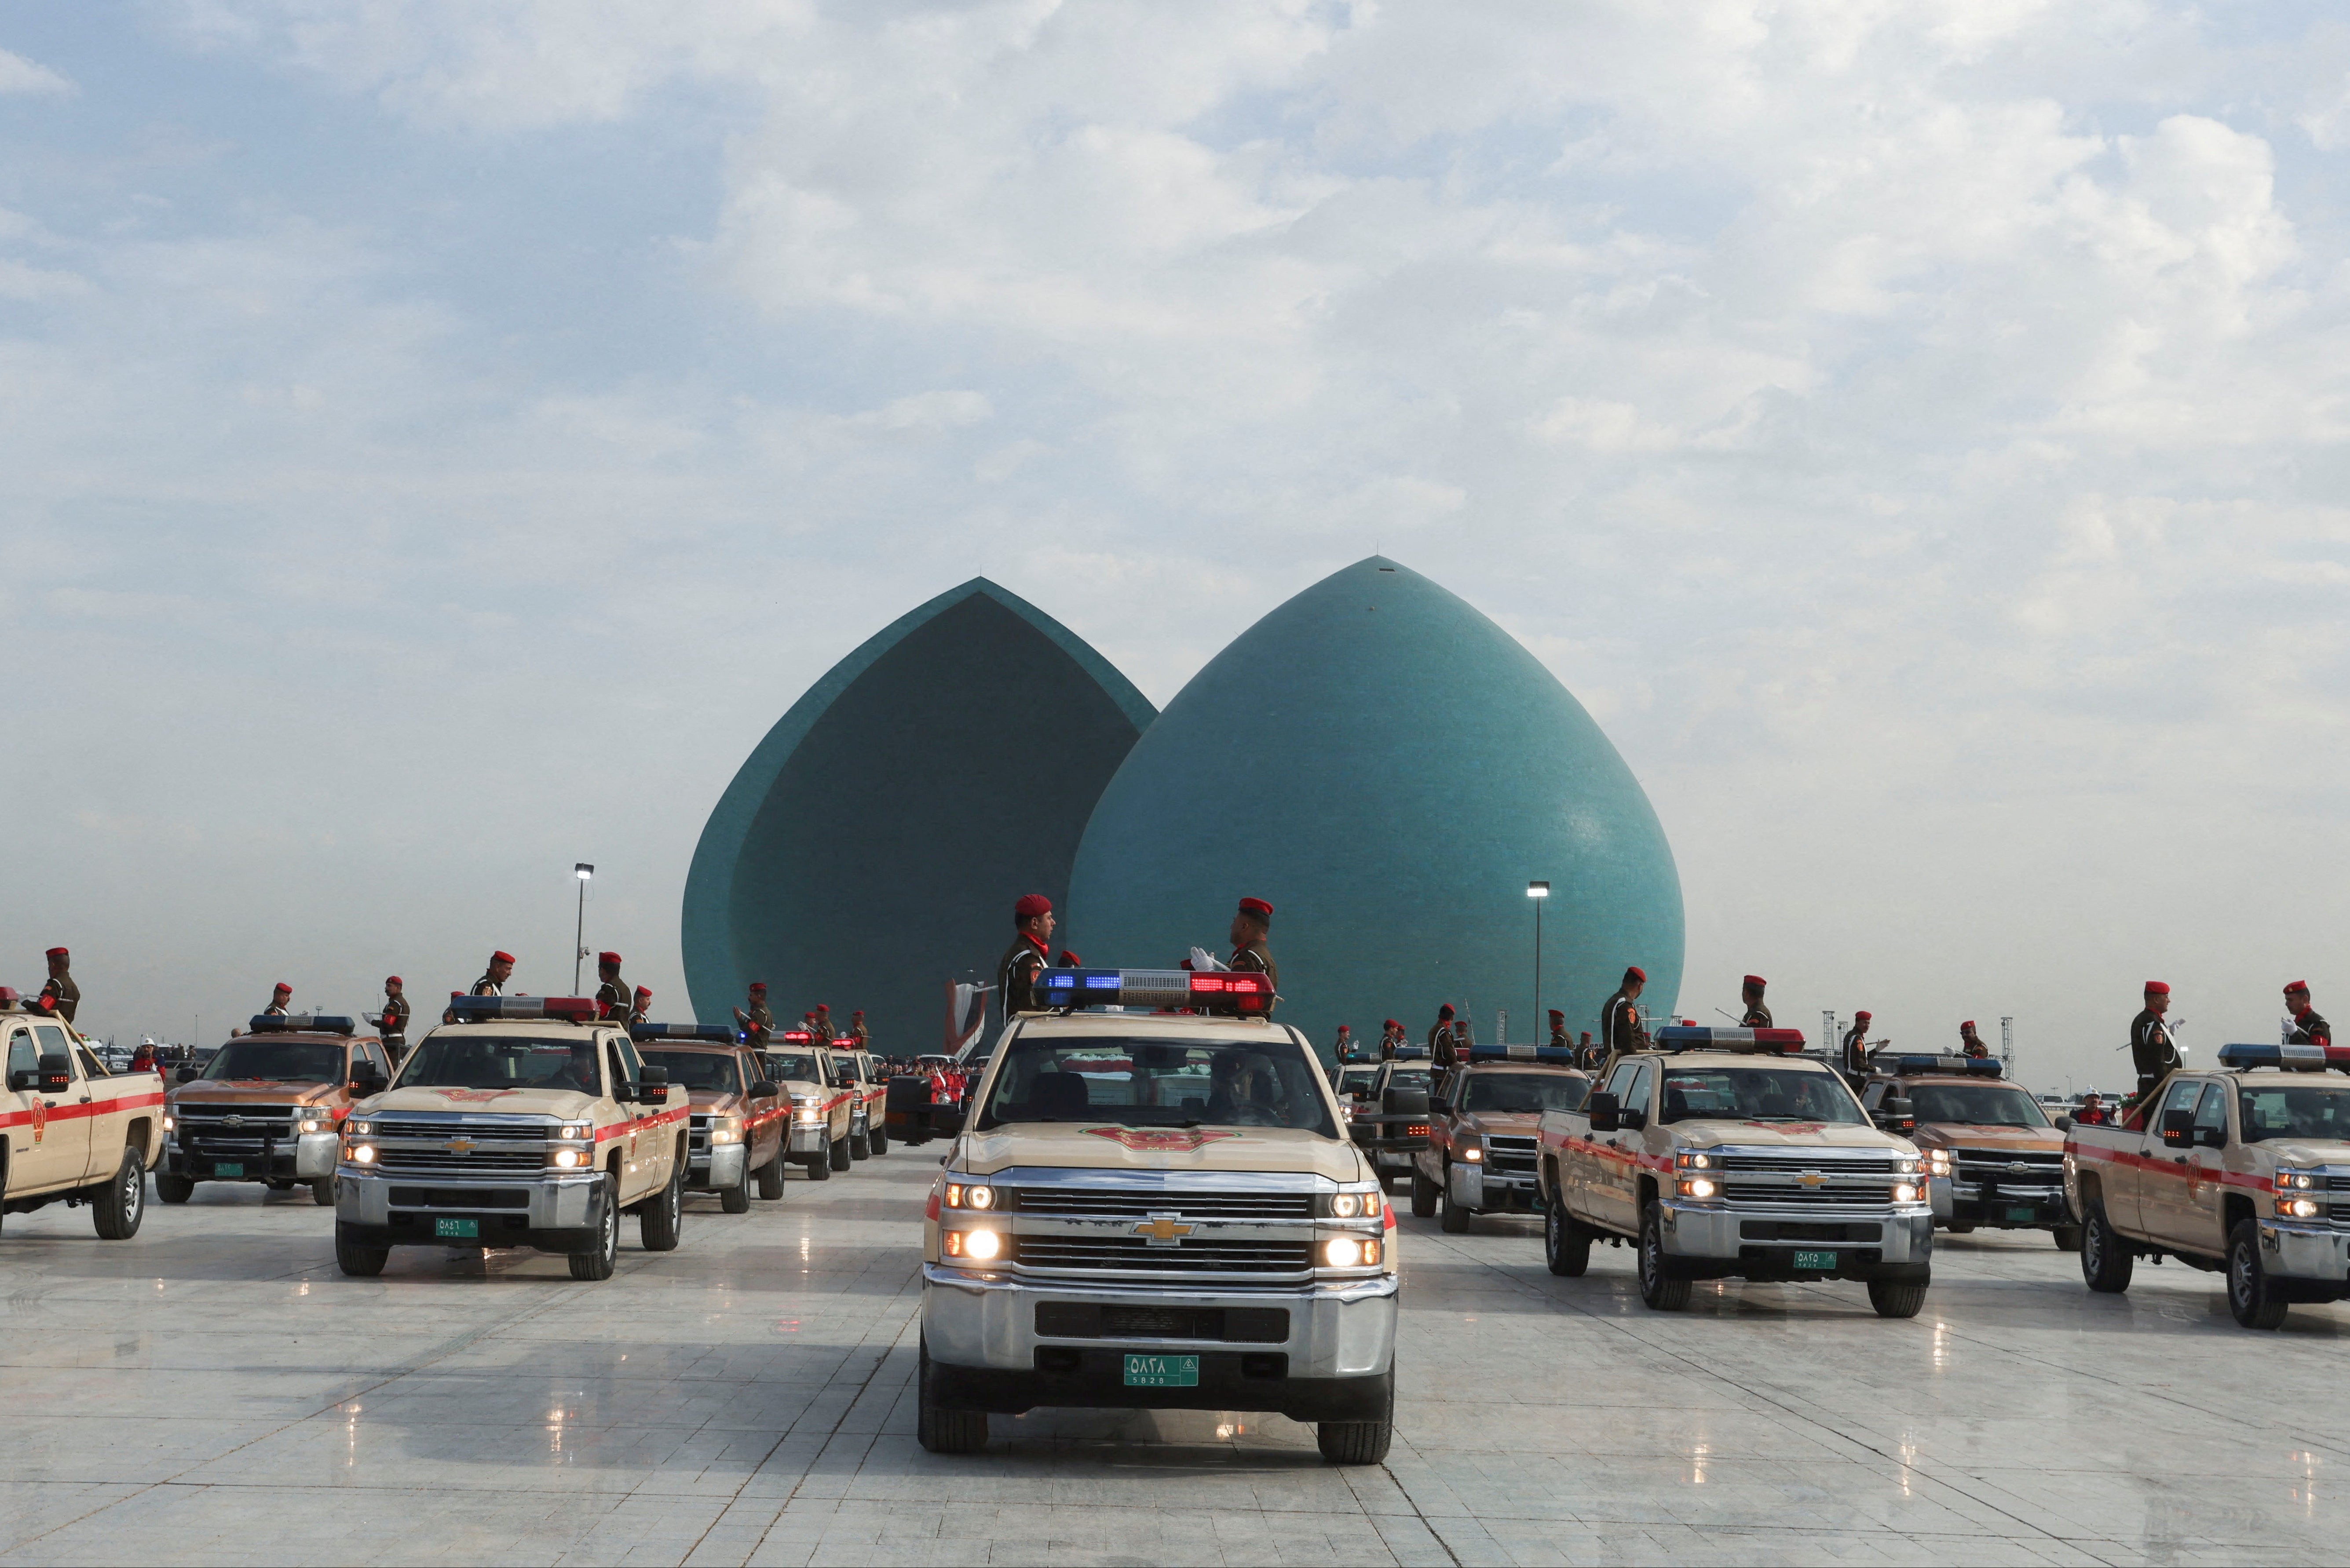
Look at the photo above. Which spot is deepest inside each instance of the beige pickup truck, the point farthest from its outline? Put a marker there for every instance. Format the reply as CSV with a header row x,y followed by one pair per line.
x,y
526,1123
269,1107
1722,1154
1153,1210
2243,1171
825,1106
74,1132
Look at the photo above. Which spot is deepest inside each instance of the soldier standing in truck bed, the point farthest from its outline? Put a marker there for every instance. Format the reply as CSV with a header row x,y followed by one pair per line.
x,y
1620,1018
1031,949
493,978
757,1022
396,1013
2309,1026
1757,1014
66,994
612,995
2152,1051
1251,923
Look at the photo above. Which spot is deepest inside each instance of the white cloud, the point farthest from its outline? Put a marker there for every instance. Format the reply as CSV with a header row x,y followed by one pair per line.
x,y
19,75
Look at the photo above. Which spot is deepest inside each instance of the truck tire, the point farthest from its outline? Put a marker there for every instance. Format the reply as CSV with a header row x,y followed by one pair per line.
x,y
361,1262
878,1138
819,1164
175,1188
736,1200
770,1176
1661,1289
1424,1194
861,1142
840,1152
660,1221
1897,1298
2247,1286
1455,1221
2105,1258
322,1192
945,1431
598,1262
116,1208
1566,1242
2066,1237
1959,1228
1358,1442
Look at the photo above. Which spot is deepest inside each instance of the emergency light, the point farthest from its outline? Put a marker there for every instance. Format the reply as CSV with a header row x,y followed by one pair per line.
x,y
1974,1066
1562,1054
2307,1057
1699,1037
796,1036
9,999
717,1032
1221,991
301,1022
491,1009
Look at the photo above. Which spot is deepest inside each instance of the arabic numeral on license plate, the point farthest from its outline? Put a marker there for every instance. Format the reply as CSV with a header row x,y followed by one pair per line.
x,y
227,1167
1162,1372
1815,1260
467,1228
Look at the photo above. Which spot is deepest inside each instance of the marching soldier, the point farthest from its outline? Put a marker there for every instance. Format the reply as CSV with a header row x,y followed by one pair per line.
x,y
1031,950
1855,1046
61,985
856,1030
396,1012
2309,1026
612,996
755,1020
641,1004
1757,1016
2152,1051
493,978
1251,925
279,996
1619,1020
1970,1042
1558,1029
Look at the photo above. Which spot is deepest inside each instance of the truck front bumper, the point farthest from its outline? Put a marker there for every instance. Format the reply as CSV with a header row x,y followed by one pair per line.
x,y
988,1350
810,1137
2298,1251
1760,1241
556,1212
1490,1192
2003,1209
718,1168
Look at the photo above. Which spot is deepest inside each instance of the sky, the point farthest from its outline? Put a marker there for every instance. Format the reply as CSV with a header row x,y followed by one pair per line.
x,y
439,437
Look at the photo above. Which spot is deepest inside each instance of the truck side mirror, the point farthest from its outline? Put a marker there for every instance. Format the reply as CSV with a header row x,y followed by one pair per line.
x,y
185,1075
56,1071
766,1089
2064,1123
1602,1106
1631,1119
2211,1137
2177,1128
367,1079
23,1078
1407,1103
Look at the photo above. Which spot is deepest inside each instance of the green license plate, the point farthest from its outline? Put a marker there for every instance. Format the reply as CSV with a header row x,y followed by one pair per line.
x,y
1815,1260
463,1228
1162,1372
2023,1216
227,1167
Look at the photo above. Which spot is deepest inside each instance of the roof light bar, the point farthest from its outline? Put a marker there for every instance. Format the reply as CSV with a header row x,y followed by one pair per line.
x,y
716,1032
487,1009
1564,1055
1220,991
302,1023
2305,1057
1919,1061
1762,1042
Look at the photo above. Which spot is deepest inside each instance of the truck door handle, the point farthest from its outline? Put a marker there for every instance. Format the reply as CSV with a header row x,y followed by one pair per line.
x,y
2179,1159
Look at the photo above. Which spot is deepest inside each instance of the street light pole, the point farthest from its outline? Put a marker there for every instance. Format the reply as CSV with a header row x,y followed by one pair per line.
x,y
1539,892
579,932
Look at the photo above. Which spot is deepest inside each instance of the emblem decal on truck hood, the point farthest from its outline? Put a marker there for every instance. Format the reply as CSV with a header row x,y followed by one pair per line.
x,y
472,1097
1161,1140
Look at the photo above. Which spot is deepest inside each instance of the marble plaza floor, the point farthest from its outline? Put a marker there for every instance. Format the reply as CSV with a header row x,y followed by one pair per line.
x,y
213,1391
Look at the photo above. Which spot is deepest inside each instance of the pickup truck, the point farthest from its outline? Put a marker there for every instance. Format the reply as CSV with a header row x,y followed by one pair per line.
x,y
740,1119
74,1132
824,1108
1483,1130
1719,1154
868,1132
1389,1122
924,1102
1992,1156
269,1107
2243,1171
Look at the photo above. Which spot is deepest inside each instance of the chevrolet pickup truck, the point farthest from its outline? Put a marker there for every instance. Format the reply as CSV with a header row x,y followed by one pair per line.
x,y
526,1123
269,1107
1993,1158
824,1108
73,1132
1483,1131
2244,1170
1721,1154
740,1120
1158,1209
1390,1122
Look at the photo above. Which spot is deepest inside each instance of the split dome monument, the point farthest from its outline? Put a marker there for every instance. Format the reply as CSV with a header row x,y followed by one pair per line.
x,y
1375,757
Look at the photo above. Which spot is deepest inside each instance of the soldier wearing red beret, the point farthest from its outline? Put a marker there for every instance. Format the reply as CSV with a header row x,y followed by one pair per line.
x,y
1558,1036
1342,1050
612,995
640,1005
2309,1026
65,996
1031,950
279,995
1757,1015
1855,1046
1970,1042
493,978
396,1013
1390,1041
2152,1051
758,1022
1251,924
1440,1037
858,1032
1620,1018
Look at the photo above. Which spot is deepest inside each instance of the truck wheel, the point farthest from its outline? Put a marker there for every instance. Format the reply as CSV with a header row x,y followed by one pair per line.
x,y
879,1138
860,1144
1961,1228
1897,1298
1455,1221
277,1186
2066,1237
942,1431
819,1164
1566,1244
175,1188
1424,1194
658,1221
1358,1442
116,1208
841,1153
598,1262
361,1262
2105,1258
322,1192
2248,1287
770,1176
1662,1289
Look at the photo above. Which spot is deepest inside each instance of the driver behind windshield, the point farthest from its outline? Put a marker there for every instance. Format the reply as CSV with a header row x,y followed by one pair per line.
x,y
578,1071
1159,1083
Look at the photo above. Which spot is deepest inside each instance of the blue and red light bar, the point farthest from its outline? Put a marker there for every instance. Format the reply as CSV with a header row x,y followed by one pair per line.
x,y
1918,1062
1699,1037
2306,1058
716,1034
504,1009
1153,988
1559,1056
301,1022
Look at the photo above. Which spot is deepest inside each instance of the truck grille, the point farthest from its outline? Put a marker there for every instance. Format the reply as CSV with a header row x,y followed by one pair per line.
x,y
203,1128
1244,1326
1777,1192
1134,1254
697,1139
442,1131
1085,1203
2040,1168
1509,1156
483,1159
1870,1165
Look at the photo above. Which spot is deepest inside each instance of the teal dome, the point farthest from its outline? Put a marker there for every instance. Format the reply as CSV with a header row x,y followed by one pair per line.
x,y
1388,768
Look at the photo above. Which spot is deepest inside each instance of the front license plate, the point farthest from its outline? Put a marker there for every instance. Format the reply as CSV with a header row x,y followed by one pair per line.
x,y
1815,1260
1162,1372
227,1167
2023,1216
462,1228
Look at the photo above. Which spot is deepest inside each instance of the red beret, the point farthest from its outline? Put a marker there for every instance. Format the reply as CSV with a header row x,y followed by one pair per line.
x,y
2296,985
286,988
1257,906
1393,1024
502,958
1637,972
1445,1011
58,952
1557,1012
824,1007
2156,988
858,1014
1031,904
1970,1023
392,979
1756,980
613,959
644,991
1345,1029
758,985
1862,1017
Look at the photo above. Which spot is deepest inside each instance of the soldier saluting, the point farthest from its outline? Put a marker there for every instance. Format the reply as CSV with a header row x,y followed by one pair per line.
x,y
2152,1051
756,1022
1757,1015
493,978
1619,1020
2309,1026
611,995
1251,925
1031,950
64,995
396,1012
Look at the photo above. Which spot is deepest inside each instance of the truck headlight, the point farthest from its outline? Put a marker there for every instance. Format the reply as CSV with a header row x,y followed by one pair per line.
x,y
313,1119
363,1154
568,1158
979,1246
807,1110
1905,1167
1349,1252
1693,1162
2297,1207
1472,1152
726,1129
961,1197
1906,1192
1354,1205
169,1121
2295,1178
1938,1161
1697,1187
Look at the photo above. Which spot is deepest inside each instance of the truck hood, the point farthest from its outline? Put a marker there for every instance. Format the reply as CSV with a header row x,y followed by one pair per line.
x,y
252,1092
2034,1140
1176,1150
2306,1151
567,1105
719,1102
1710,1134
1509,1124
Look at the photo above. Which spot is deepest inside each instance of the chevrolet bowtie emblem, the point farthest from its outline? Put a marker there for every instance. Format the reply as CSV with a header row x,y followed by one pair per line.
x,y
2017,1167
232,1121
460,1146
1812,1179
1162,1230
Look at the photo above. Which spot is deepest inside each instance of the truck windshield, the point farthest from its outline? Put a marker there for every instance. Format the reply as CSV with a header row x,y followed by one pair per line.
x,y
699,1070
284,1061
1757,1094
1357,1081
784,1066
1269,1083
1420,1078
2319,1114
1523,1092
489,1062
1976,1105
